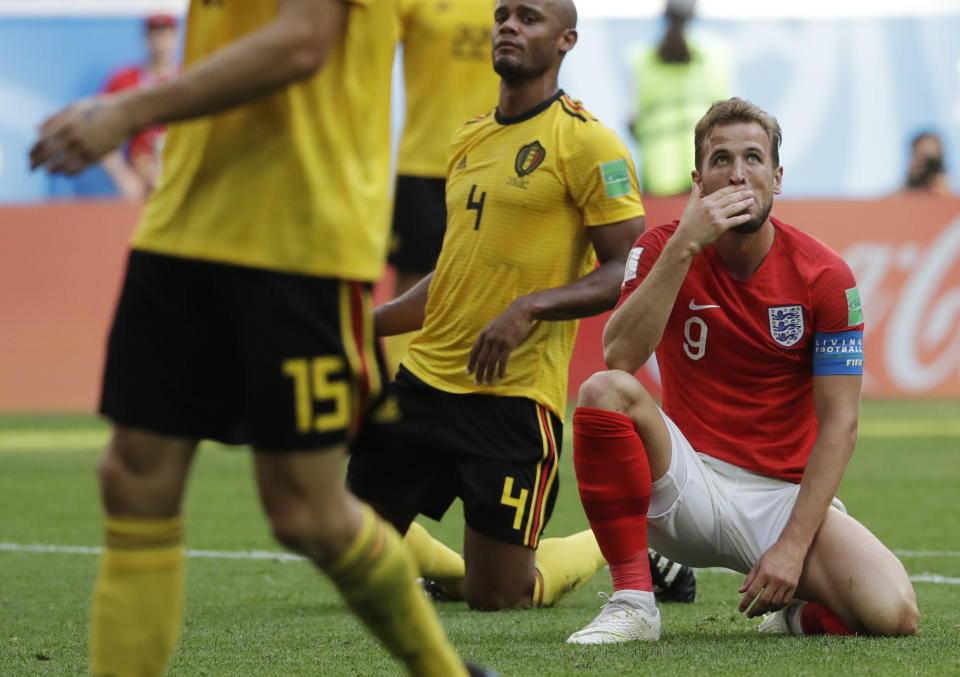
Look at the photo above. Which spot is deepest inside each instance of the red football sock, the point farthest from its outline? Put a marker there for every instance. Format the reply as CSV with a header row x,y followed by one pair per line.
x,y
816,619
613,476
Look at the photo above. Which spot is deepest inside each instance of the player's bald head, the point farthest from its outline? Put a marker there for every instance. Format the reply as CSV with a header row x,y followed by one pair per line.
x,y
566,11
531,37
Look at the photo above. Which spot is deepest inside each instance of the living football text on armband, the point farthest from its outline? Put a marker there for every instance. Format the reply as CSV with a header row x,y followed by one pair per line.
x,y
837,353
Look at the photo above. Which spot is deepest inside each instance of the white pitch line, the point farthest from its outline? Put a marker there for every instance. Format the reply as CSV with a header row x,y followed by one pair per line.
x,y
59,549
916,578
926,553
934,578
209,554
288,557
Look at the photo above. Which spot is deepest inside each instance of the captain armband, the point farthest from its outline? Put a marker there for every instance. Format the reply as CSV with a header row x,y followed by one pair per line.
x,y
837,353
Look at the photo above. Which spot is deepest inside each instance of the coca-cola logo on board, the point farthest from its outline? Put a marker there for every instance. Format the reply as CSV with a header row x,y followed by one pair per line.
x,y
911,291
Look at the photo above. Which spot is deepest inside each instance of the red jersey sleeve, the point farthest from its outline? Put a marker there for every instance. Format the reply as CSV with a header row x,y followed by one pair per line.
x,y
835,298
837,319
645,252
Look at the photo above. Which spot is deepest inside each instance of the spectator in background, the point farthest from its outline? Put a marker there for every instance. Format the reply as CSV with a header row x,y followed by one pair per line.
x,y
926,173
675,83
134,169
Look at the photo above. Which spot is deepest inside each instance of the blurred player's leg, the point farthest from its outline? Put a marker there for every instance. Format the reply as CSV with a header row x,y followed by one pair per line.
x,y
138,599
312,513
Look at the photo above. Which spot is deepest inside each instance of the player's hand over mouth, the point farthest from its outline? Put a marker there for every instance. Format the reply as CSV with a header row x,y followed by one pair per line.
x,y
707,217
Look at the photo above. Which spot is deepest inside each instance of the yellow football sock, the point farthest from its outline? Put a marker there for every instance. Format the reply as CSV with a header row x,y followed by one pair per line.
x,y
138,599
377,577
564,565
435,560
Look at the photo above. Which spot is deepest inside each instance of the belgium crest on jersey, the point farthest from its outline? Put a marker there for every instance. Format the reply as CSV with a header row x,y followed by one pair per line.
x,y
786,324
529,158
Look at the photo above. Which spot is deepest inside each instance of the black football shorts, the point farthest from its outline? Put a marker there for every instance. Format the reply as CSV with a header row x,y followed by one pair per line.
x,y
498,454
279,361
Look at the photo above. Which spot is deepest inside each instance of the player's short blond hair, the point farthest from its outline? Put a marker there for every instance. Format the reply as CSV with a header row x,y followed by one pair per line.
x,y
731,111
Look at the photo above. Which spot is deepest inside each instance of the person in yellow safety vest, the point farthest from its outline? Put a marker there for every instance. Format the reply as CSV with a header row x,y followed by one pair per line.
x,y
674,83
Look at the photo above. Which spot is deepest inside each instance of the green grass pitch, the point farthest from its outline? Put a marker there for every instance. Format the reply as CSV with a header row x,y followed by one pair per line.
x,y
247,616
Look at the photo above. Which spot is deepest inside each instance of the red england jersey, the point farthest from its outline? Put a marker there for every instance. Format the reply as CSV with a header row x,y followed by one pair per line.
x,y
737,358
147,143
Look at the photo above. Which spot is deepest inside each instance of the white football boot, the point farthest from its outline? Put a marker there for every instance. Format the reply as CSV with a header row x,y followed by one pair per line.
x,y
621,620
786,621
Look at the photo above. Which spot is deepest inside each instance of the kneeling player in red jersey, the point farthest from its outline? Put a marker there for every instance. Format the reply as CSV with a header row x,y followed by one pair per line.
x,y
758,333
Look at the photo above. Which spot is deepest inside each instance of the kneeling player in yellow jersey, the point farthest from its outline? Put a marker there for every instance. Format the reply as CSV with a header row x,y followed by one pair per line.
x,y
244,312
537,192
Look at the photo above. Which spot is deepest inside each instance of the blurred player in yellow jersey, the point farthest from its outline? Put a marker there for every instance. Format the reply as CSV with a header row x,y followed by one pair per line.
x,y
245,311
538,191
447,80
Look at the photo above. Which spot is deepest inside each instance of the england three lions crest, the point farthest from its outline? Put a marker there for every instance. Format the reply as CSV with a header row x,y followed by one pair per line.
x,y
786,324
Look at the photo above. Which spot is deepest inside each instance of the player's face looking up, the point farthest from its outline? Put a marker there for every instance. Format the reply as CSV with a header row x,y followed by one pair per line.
x,y
530,37
739,154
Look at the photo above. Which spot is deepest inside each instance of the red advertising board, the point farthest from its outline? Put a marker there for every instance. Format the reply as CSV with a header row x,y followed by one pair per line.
x,y
61,265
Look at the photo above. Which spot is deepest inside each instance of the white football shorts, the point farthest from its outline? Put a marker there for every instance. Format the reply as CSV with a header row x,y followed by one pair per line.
x,y
708,513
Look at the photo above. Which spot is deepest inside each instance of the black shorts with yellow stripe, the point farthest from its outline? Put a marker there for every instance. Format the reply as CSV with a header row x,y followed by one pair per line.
x,y
204,350
498,454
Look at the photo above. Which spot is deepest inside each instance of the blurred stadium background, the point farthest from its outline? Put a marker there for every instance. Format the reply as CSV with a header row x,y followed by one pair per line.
x,y
851,83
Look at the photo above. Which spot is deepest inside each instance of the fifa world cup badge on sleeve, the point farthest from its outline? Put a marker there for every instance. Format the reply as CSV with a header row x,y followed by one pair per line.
x,y
854,309
616,177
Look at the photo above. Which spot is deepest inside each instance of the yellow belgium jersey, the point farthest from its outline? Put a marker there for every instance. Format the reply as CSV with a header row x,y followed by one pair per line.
x,y
521,193
297,181
448,77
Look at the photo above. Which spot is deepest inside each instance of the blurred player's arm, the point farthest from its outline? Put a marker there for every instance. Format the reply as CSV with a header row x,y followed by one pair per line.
x,y
635,328
404,313
775,575
591,294
128,181
291,47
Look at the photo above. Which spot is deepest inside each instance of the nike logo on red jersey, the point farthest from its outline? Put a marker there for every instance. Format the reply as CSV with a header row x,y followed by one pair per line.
x,y
694,306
